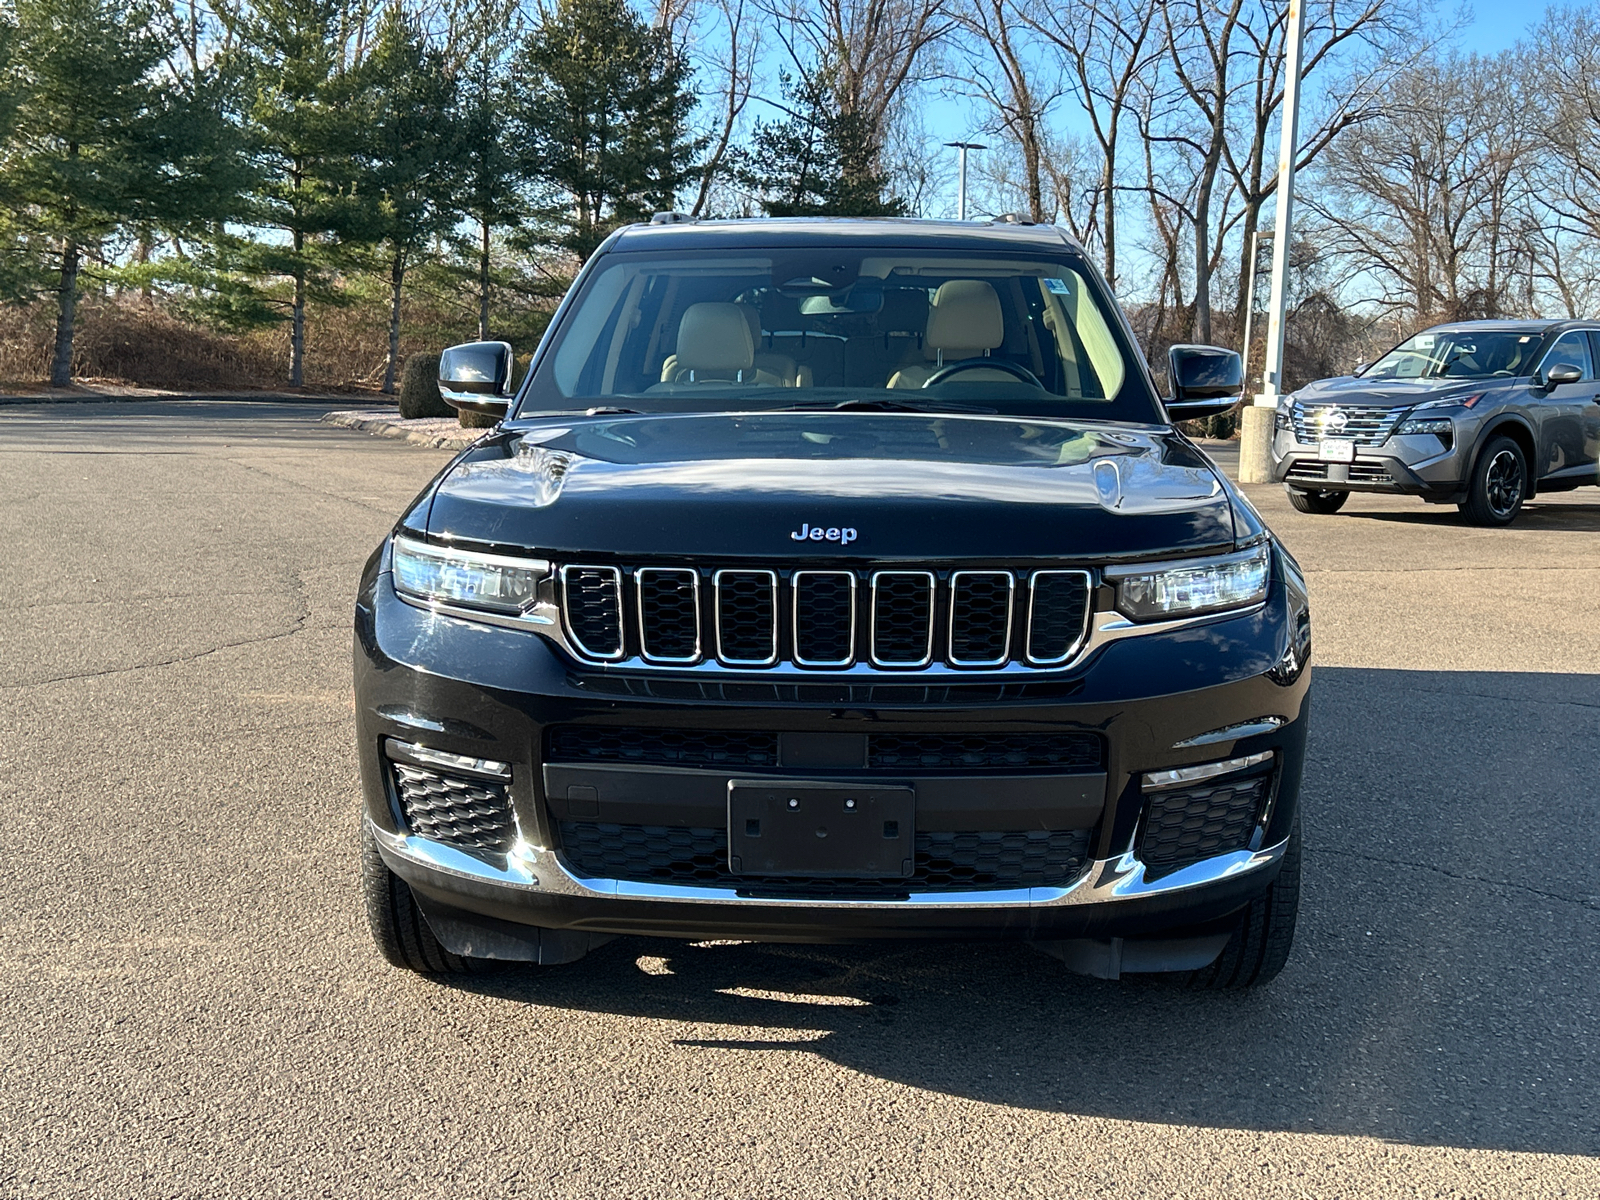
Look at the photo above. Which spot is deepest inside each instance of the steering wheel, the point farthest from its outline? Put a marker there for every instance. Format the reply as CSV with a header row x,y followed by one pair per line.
x,y
976,364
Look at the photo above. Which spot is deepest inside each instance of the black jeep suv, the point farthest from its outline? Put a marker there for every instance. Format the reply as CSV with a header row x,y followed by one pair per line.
x,y
829,581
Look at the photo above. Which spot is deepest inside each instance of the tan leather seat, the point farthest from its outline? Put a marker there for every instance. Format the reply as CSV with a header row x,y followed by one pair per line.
x,y
965,321
766,368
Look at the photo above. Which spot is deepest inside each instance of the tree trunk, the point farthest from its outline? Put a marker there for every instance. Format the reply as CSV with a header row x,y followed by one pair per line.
x,y
483,283
297,327
397,278
67,307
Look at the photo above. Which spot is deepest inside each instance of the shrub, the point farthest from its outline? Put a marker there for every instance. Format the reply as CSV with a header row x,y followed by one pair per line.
x,y
419,388
477,420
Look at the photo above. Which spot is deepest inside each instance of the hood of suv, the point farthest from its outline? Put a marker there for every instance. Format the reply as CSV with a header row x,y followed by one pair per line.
x,y
831,484
1392,393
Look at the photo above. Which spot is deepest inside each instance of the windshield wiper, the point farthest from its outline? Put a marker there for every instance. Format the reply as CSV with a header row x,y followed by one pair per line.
x,y
922,406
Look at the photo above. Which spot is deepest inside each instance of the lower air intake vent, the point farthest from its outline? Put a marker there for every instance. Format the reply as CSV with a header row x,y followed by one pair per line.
x,y
1185,825
472,814
945,862
981,751
662,747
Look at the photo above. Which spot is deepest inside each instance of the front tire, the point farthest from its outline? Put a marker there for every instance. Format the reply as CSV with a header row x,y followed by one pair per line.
x,y
1498,486
1325,503
1260,946
398,927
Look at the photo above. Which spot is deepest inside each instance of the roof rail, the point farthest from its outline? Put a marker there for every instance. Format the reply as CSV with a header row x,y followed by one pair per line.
x,y
671,218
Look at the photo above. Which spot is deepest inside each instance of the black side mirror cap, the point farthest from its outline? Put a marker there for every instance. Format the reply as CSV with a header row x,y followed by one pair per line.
x,y
477,376
1206,381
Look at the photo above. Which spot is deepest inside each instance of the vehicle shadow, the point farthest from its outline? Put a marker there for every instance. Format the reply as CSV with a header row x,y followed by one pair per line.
x,y
1440,992
1535,515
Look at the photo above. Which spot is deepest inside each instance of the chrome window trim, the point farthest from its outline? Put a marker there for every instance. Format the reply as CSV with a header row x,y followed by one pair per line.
x,y
1083,631
566,613
794,623
716,604
872,649
1011,604
638,599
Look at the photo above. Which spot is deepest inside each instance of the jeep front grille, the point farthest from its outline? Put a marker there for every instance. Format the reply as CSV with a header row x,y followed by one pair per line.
x,y
1364,424
966,861
898,619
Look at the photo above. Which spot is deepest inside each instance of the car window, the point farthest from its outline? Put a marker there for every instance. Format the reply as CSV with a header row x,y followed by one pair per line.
x,y
1458,354
1571,349
741,329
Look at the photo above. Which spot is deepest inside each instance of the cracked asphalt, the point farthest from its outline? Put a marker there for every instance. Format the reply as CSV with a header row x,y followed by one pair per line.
x,y
189,1006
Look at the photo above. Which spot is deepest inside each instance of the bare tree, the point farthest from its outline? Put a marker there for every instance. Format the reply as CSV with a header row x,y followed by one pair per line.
x,y
873,51
740,40
1001,76
1106,48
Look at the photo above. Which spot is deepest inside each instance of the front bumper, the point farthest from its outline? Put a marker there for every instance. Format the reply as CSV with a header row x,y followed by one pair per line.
x,y
1414,465
1158,701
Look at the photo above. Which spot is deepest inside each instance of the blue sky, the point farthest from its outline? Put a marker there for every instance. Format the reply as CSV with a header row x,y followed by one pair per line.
x,y
1496,24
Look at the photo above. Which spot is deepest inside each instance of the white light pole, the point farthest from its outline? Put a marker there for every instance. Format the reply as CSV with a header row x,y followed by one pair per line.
x,y
961,192
1255,448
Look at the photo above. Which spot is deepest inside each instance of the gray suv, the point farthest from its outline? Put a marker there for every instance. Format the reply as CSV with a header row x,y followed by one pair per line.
x,y
1480,414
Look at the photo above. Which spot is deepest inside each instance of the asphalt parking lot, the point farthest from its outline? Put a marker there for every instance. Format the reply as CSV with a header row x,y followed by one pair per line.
x,y
189,1006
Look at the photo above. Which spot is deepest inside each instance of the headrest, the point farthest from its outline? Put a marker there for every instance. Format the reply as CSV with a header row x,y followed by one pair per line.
x,y
715,337
965,316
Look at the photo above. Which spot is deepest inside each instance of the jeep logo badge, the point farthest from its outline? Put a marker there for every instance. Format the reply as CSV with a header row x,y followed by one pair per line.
x,y
816,533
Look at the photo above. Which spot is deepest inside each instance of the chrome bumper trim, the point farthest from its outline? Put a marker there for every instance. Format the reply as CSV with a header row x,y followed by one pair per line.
x,y
528,867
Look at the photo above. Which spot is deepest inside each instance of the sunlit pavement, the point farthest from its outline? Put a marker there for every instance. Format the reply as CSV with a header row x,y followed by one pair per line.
x,y
190,1006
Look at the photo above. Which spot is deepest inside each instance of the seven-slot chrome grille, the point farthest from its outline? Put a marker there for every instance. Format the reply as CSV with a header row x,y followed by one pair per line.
x,y
894,619
1364,424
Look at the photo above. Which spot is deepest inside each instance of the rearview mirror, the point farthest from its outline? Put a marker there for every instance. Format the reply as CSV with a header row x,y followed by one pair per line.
x,y
1562,373
477,376
1206,381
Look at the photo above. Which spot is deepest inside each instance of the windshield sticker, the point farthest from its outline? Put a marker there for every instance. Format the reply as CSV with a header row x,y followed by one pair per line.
x,y
1424,341
1059,286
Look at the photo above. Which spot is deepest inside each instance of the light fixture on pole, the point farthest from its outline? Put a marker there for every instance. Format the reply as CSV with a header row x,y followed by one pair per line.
x,y
1256,421
961,192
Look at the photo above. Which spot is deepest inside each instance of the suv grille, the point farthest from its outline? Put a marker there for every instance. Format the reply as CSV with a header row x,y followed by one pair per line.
x,y
474,814
1188,824
822,619
945,862
942,752
1364,424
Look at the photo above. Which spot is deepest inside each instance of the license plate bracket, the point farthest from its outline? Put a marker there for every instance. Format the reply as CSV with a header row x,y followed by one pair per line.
x,y
1339,450
821,830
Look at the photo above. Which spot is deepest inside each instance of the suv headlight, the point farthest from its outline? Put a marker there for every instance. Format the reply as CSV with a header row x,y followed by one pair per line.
x,y
444,575
1186,589
1425,425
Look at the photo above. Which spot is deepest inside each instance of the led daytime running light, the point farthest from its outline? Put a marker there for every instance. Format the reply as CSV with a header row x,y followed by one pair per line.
x,y
1191,588
466,578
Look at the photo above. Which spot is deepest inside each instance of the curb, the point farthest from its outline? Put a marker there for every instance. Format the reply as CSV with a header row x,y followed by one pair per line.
x,y
438,433
164,397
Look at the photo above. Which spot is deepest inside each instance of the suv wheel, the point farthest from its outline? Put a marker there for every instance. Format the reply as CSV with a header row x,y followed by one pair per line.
x,y
1260,946
1499,483
397,924
1316,502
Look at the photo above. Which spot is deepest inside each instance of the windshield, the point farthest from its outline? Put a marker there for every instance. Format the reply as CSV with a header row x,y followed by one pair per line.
x,y
841,327
1459,354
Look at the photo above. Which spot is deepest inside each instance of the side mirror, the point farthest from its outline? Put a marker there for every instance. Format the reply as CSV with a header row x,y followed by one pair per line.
x,y
1206,381
1361,369
477,376
1562,373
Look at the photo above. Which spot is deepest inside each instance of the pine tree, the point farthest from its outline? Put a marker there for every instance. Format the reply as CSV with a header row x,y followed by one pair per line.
x,y
819,162
100,141
482,36
602,105
305,131
409,175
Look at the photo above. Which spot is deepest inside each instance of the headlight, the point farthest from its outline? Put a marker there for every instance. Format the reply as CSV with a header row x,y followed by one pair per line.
x,y
1426,425
1151,593
465,577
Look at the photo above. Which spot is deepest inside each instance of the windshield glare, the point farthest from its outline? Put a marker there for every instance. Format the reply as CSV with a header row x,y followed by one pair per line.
x,y
825,327
1458,355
